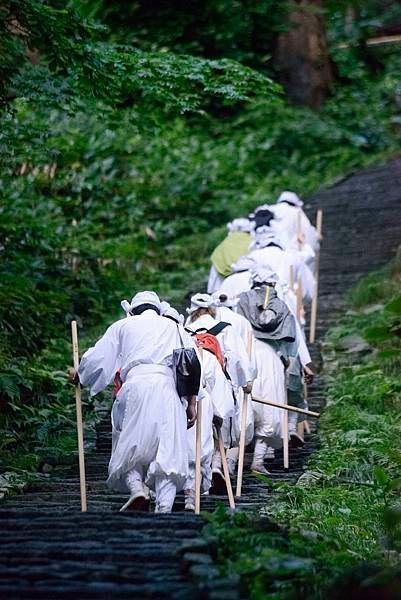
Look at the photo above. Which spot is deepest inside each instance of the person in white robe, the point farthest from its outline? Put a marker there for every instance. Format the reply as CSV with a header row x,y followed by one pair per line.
x,y
202,317
149,419
228,251
270,382
268,250
226,312
240,280
291,221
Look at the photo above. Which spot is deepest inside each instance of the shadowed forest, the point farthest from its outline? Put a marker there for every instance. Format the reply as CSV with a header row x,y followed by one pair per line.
x,y
130,134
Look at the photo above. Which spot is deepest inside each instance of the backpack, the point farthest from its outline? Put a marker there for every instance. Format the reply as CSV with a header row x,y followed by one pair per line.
x,y
186,369
208,341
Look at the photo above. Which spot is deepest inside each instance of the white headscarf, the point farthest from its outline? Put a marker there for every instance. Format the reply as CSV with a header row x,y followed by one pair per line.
x,y
265,275
222,299
244,225
141,298
201,301
290,197
264,236
169,311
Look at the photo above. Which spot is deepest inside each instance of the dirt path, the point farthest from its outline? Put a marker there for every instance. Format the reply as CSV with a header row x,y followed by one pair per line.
x,y
48,549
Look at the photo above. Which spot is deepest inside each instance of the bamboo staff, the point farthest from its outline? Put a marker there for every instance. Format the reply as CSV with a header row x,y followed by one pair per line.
x,y
302,411
78,404
312,332
243,429
198,456
225,469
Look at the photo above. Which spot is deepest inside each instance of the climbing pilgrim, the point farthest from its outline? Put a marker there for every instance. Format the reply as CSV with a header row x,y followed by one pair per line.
x,y
274,329
228,251
149,419
220,338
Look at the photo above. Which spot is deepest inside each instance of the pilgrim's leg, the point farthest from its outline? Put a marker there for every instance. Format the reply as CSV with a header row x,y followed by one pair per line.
x,y
139,494
258,456
165,494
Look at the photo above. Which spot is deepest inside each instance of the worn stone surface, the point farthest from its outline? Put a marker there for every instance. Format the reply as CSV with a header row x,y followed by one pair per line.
x,y
49,550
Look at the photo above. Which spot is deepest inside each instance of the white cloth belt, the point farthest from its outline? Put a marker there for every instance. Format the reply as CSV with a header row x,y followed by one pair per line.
x,y
150,368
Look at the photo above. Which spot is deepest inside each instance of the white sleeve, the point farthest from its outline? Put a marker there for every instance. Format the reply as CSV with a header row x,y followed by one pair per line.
x,y
303,351
238,364
100,363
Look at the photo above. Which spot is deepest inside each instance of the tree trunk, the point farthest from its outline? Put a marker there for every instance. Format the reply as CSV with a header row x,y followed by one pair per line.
x,y
301,56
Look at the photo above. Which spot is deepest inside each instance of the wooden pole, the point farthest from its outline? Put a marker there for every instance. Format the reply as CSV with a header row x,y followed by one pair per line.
x,y
313,319
198,454
78,403
243,430
302,411
225,469
285,441
266,300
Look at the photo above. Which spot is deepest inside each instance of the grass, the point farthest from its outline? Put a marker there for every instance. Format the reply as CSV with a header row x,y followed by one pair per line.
x,y
340,524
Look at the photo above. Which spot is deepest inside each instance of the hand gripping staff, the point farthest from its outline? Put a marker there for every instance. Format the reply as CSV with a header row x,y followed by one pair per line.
x,y
78,404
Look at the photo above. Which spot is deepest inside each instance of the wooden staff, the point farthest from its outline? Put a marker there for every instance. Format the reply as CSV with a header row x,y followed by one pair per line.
x,y
243,429
312,332
302,411
266,300
198,454
78,404
225,469
292,277
286,455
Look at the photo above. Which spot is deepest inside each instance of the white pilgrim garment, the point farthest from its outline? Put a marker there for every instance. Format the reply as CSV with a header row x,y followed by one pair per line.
x,y
287,220
269,384
280,261
149,418
232,346
235,284
215,280
242,326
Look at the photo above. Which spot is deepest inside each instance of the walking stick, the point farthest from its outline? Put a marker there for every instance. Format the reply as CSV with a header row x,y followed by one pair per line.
x,y
312,332
78,404
198,453
243,430
225,469
285,441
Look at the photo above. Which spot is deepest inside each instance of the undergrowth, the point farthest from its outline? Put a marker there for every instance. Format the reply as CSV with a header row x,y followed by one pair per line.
x,y
342,521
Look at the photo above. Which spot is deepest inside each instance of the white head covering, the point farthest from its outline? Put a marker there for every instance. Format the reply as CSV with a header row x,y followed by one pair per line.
x,y
264,275
244,263
264,236
145,298
126,306
201,301
169,311
290,197
222,299
244,225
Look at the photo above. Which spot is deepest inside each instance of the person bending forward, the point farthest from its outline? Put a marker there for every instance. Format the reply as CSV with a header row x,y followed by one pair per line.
x,y
149,419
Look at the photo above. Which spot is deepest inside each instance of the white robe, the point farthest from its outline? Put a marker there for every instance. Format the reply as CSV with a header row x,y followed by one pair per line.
x,y
217,400
215,280
270,385
235,284
149,420
233,348
287,220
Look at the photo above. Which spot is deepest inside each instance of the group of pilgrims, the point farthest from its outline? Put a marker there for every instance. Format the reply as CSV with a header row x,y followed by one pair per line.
x,y
247,334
